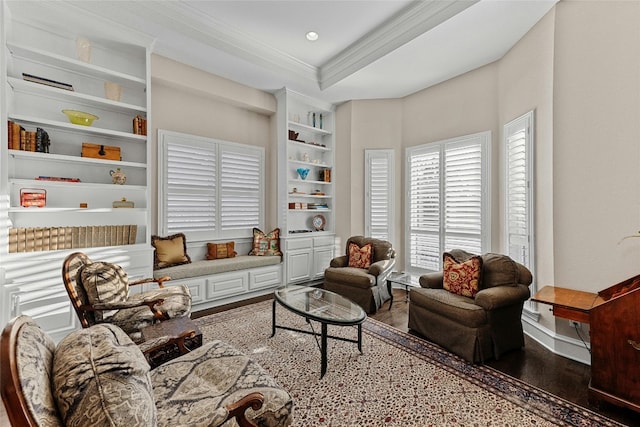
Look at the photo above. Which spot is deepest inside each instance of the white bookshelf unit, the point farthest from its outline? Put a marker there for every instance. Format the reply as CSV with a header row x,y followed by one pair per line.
x,y
305,206
79,190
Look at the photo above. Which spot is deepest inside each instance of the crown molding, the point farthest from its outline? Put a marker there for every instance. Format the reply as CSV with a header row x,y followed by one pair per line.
x,y
411,22
189,22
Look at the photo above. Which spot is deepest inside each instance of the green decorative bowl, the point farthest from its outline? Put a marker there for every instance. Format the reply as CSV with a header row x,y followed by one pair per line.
x,y
80,117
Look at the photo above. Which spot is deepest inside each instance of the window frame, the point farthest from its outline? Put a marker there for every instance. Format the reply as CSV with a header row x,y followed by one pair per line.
x,y
388,155
220,147
483,140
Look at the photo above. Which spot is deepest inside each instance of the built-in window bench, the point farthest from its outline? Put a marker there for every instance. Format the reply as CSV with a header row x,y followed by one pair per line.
x,y
221,281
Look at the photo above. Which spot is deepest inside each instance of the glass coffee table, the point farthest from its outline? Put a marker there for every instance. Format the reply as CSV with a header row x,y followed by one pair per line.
x,y
324,307
404,279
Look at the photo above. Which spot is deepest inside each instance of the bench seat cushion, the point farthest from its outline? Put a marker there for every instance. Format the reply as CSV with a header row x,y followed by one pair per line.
x,y
211,377
209,267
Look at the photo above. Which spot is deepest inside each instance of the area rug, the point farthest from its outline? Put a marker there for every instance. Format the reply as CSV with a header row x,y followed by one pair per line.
x,y
399,380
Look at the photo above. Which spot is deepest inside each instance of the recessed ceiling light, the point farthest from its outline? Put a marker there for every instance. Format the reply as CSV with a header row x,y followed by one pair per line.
x,y
312,36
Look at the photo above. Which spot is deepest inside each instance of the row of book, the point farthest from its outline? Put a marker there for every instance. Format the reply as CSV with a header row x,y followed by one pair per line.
x,y
21,139
36,239
139,125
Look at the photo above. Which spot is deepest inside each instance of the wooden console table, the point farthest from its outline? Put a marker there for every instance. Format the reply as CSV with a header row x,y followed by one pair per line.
x,y
568,303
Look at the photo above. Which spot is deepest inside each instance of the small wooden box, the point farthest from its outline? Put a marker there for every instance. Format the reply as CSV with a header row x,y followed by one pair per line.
x,y
96,151
33,197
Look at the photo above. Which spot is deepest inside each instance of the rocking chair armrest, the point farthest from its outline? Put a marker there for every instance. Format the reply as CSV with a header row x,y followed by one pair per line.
x,y
148,347
151,303
237,409
160,281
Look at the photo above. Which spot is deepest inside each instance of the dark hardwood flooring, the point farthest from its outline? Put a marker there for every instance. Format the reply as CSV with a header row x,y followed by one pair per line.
x,y
534,364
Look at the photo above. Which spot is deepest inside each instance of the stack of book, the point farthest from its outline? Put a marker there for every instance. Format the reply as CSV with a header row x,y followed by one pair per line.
x,y
139,125
47,82
36,239
19,138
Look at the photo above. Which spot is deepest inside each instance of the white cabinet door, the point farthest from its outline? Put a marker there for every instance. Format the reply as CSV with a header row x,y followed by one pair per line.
x,y
299,266
322,257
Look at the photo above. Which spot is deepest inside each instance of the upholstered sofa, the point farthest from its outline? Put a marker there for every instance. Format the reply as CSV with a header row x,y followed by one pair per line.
x,y
475,328
367,287
99,377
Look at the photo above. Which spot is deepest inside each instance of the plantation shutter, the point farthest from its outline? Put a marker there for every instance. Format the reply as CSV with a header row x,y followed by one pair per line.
x,y
518,198
209,189
424,208
240,190
463,197
190,188
447,204
379,194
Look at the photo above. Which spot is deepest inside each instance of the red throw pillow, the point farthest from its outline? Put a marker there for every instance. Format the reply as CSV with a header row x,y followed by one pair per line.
x,y
360,257
462,278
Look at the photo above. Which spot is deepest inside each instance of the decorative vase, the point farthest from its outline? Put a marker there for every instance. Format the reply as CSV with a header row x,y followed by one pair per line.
x,y
83,49
303,173
112,91
118,177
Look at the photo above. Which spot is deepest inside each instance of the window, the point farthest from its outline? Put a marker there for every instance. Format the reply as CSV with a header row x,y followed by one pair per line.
x,y
518,147
379,184
209,189
448,200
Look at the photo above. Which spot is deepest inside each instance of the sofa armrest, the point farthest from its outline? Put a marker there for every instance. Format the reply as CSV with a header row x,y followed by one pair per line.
x,y
341,261
432,280
502,296
382,268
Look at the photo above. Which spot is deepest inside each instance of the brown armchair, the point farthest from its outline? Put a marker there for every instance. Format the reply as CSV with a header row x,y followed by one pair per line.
x,y
367,287
99,293
475,328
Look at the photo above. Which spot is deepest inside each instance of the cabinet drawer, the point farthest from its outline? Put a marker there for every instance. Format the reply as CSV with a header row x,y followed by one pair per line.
x,y
295,244
265,277
222,285
323,241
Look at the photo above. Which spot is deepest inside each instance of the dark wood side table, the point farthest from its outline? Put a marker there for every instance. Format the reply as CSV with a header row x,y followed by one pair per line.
x,y
568,303
171,328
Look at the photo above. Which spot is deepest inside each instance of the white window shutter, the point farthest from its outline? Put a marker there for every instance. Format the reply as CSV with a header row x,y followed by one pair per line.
x,y
448,200
379,206
519,193
241,181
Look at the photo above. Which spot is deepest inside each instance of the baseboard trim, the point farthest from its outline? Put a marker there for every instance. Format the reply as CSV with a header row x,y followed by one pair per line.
x,y
559,344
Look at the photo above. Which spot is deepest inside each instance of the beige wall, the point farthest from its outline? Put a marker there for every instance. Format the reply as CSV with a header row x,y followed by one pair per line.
x,y
596,140
187,100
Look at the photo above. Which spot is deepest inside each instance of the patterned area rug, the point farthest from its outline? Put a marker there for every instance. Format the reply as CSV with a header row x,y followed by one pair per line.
x,y
400,380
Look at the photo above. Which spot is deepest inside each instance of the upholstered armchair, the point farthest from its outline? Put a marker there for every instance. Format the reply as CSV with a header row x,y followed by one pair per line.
x,y
99,293
481,318
97,376
361,274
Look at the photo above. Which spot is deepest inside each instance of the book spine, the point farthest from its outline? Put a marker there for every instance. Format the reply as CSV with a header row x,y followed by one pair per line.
x,y
13,240
133,230
9,134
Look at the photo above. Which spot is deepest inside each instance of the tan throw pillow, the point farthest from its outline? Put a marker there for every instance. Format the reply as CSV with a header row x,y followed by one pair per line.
x,y
101,378
169,251
266,244
221,250
462,278
104,283
360,257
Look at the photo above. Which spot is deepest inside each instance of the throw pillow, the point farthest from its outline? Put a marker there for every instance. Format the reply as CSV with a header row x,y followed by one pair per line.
x,y
169,251
266,244
462,278
101,378
104,283
221,250
360,257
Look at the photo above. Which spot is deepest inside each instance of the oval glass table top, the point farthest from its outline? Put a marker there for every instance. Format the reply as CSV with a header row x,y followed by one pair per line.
x,y
321,305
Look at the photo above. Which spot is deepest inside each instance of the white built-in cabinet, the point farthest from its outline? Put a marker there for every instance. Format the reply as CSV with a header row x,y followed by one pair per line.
x,y
40,42
305,205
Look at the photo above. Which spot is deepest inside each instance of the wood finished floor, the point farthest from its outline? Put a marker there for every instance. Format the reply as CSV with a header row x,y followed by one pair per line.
x,y
534,364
